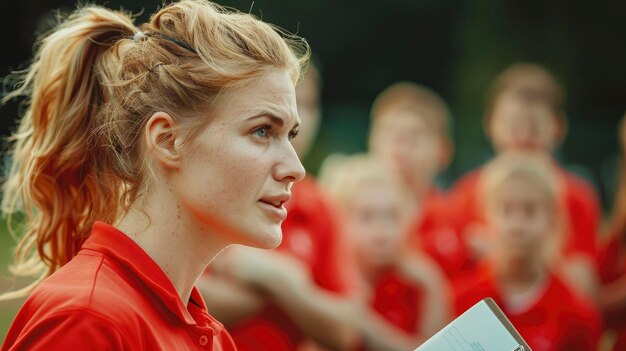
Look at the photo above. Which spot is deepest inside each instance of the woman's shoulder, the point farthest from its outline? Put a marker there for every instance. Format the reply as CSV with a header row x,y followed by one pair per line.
x,y
91,298
64,328
89,283
70,302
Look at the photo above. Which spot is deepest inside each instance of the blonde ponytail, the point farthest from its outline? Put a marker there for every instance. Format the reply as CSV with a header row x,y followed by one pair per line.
x,y
52,178
95,79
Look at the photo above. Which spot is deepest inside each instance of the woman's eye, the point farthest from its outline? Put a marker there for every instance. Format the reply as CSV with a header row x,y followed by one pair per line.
x,y
262,132
293,134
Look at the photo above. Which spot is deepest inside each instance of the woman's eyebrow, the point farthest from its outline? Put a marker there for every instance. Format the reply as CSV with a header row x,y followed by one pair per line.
x,y
273,118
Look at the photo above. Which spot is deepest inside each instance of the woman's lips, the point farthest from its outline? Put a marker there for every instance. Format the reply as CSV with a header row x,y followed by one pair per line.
x,y
274,211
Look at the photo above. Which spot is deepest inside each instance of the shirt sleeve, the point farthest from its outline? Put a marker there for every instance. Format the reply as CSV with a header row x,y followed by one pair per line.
x,y
584,212
68,330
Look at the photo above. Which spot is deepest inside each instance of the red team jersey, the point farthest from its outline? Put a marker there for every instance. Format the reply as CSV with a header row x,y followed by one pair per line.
x,y
113,296
398,301
556,319
435,234
310,234
612,267
578,196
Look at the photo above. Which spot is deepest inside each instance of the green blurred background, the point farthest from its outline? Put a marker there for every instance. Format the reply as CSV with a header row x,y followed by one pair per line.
x,y
454,46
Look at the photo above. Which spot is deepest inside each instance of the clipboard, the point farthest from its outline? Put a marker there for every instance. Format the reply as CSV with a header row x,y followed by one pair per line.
x,y
507,324
483,327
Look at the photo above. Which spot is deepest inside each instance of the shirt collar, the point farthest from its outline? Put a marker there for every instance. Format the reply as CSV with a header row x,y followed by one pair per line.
x,y
118,246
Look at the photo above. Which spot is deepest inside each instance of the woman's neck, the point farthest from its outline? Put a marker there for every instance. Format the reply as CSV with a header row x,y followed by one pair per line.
x,y
168,235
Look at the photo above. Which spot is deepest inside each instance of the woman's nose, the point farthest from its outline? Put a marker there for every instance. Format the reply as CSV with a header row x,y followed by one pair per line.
x,y
289,168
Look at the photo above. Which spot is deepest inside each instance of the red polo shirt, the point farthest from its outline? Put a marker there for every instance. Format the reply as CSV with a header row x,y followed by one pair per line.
x,y
434,233
398,301
113,296
310,234
580,200
555,319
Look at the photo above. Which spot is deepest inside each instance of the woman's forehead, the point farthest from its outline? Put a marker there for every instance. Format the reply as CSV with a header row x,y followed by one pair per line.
x,y
272,93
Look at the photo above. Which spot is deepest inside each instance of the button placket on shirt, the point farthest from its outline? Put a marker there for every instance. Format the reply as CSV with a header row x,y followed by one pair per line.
x,y
206,335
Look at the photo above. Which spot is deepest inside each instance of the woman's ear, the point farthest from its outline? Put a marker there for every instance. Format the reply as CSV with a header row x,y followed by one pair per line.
x,y
162,140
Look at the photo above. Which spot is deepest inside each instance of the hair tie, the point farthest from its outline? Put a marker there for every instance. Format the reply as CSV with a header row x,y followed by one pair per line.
x,y
141,35
180,43
138,35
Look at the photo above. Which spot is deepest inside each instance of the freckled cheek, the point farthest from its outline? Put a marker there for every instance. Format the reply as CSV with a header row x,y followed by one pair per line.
x,y
208,174
244,174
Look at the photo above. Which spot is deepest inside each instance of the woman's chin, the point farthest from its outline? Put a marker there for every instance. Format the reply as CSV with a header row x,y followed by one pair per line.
x,y
267,239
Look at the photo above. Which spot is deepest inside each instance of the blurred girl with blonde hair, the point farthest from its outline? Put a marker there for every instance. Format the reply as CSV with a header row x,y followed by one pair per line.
x,y
405,295
522,269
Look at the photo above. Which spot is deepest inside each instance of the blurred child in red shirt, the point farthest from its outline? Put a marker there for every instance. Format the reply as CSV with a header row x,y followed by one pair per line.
x,y
524,221
408,291
409,128
524,114
612,260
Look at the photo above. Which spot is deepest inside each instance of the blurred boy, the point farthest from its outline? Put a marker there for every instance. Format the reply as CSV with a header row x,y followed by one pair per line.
x,y
525,114
524,220
410,129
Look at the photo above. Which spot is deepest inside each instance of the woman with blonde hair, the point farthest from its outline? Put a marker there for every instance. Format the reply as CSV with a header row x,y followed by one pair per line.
x,y
143,152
